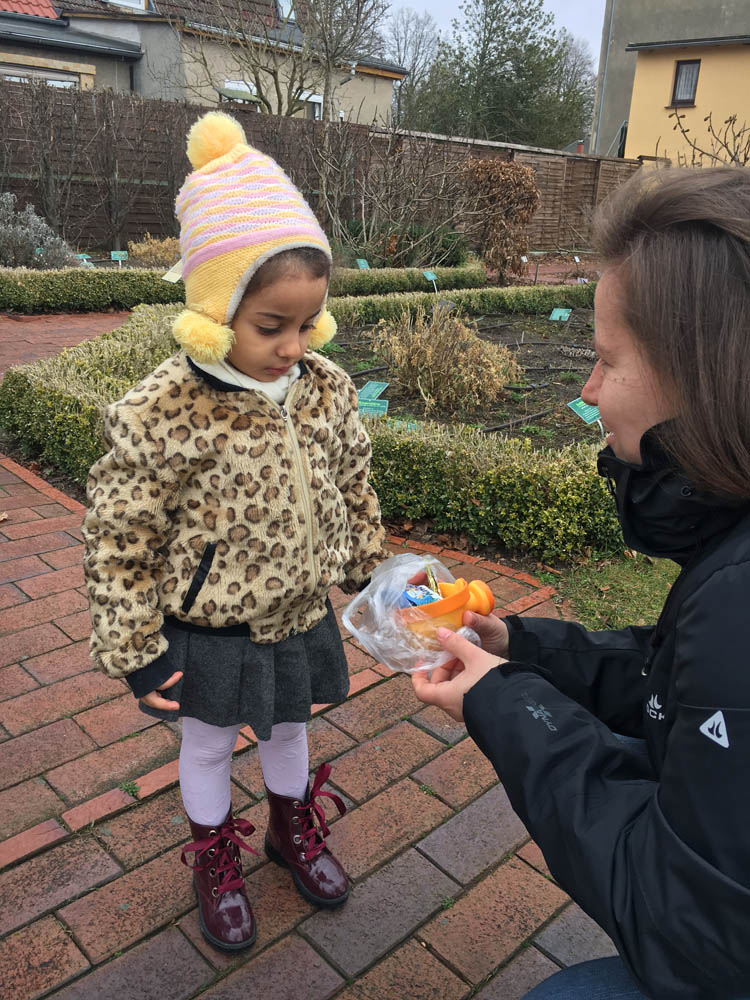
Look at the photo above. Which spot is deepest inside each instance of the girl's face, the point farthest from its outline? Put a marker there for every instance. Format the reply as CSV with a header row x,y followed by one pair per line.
x,y
623,385
272,326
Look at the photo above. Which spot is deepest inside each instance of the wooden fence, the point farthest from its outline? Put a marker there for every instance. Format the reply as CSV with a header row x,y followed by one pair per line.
x,y
105,168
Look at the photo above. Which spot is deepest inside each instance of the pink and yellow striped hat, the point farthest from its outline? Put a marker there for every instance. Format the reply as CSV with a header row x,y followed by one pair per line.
x,y
237,209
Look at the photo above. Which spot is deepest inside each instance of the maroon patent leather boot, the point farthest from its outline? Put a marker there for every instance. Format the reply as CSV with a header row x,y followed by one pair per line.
x,y
296,840
224,911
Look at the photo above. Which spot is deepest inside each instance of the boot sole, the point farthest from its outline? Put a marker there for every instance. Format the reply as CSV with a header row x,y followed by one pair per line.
x,y
302,889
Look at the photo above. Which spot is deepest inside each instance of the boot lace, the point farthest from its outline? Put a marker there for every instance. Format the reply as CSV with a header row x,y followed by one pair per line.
x,y
311,817
219,853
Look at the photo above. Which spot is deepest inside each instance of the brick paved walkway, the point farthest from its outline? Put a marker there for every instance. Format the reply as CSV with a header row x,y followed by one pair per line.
x,y
451,899
29,338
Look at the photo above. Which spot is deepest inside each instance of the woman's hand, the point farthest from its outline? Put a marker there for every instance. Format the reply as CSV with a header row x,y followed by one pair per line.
x,y
447,685
155,700
491,630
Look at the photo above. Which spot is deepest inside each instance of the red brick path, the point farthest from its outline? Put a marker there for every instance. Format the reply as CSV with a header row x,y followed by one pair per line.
x,y
450,895
30,338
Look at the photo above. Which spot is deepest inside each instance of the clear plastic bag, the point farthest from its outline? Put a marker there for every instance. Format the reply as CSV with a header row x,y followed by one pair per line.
x,y
403,638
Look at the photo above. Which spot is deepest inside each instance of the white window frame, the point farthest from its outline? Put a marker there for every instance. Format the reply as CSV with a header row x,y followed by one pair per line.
x,y
316,100
132,4
285,10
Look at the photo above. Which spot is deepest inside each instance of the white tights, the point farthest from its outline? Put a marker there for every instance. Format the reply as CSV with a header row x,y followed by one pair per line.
x,y
206,757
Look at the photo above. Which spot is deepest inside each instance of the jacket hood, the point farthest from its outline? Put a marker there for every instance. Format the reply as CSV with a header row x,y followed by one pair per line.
x,y
661,512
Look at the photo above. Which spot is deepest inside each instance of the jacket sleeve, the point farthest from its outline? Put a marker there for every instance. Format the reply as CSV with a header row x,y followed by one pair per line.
x,y
363,510
131,492
662,865
601,670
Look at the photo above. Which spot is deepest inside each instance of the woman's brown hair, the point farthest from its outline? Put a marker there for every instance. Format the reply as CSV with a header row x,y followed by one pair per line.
x,y
680,240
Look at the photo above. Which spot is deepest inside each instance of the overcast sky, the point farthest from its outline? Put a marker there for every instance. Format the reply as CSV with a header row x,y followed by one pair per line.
x,y
582,18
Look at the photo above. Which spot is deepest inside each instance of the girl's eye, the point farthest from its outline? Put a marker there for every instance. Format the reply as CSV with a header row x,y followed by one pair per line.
x,y
306,328
266,332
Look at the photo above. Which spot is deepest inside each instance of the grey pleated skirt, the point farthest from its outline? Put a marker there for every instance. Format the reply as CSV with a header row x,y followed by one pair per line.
x,y
229,680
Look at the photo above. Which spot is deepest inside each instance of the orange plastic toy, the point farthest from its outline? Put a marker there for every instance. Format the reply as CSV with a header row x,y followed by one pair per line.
x,y
457,597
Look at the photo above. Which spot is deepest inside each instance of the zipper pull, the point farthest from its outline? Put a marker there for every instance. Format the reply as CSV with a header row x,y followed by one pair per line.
x,y
284,412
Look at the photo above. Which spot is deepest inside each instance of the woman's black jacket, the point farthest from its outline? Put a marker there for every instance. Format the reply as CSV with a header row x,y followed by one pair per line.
x,y
658,855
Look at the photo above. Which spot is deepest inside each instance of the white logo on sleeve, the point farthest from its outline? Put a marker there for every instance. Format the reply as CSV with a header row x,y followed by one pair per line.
x,y
716,729
654,708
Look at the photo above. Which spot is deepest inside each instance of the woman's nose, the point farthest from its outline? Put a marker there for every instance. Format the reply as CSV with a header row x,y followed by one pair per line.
x,y
590,392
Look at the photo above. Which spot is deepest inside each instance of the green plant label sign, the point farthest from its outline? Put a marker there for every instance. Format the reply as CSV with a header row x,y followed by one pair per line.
x,y
583,410
174,274
560,314
118,254
371,390
430,275
83,256
373,407
362,264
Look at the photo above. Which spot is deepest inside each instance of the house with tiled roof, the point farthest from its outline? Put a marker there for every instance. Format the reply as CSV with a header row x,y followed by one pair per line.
x,y
183,50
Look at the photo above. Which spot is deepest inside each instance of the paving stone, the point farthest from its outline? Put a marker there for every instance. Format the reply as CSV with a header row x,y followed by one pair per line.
x,y
574,937
48,509
10,596
158,780
533,856
379,913
46,609
60,558
326,742
48,704
72,659
26,804
28,529
9,503
459,774
115,719
547,609
477,838
375,831
97,808
125,760
533,581
53,582
376,709
362,680
492,920
507,590
287,970
30,754
135,905
357,659
30,841
30,642
277,905
20,569
77,626
166,966
221,960
35,546
531,600
435,721
38,959
520,975
368,768
14,681
410,971
154,827
64,872
19,515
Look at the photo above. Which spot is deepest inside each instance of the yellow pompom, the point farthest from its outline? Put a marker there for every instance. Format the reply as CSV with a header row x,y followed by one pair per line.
x,y
204,340
212,136
323,331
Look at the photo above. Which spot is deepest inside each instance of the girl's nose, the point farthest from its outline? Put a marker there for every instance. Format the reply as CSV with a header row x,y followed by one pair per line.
x,y
290,346
590,392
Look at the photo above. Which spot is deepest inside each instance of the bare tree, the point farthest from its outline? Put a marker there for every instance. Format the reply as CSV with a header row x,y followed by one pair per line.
x,y
726,144
410,41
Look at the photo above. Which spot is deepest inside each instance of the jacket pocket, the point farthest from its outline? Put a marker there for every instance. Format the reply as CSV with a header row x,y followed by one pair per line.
x,y
200,575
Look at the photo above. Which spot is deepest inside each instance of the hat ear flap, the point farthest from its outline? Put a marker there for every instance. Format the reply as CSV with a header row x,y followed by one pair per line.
x,y
323,331
203,339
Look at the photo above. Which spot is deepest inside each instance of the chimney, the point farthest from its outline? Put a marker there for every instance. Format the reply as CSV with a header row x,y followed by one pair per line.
x,y
579,148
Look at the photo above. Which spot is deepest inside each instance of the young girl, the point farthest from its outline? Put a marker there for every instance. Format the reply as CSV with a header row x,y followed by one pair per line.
x,y
234,496
627,752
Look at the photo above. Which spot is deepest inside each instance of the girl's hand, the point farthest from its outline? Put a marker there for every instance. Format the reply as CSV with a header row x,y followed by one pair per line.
x,y
155,700
447,685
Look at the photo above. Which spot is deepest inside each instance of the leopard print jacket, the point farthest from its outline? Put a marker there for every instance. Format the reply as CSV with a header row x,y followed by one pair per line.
x,y
219,507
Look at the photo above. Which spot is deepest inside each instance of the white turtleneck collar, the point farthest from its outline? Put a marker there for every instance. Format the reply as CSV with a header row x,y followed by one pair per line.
x,y
277,391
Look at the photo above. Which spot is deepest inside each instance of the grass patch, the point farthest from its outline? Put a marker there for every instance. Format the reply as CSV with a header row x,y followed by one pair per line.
x,y
614,593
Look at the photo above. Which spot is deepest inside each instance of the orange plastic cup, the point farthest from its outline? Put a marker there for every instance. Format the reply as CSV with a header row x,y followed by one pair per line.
x,y
458,597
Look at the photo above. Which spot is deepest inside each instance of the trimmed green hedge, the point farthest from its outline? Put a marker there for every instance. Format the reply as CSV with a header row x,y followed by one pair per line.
x,y
81,289
550,504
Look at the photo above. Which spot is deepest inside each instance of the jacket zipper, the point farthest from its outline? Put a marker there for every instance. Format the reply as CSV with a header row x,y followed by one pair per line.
x,y
303,486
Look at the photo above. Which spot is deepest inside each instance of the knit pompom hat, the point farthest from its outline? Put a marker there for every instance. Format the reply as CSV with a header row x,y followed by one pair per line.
x,y
237,209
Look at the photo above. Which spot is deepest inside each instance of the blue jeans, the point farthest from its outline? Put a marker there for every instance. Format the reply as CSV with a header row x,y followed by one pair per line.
x,y
600,979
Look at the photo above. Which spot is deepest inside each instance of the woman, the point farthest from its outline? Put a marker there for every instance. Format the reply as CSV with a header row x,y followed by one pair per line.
x,y
627,753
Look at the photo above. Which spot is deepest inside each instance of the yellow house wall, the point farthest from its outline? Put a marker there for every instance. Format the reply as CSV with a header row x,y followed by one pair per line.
x,y
722,90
